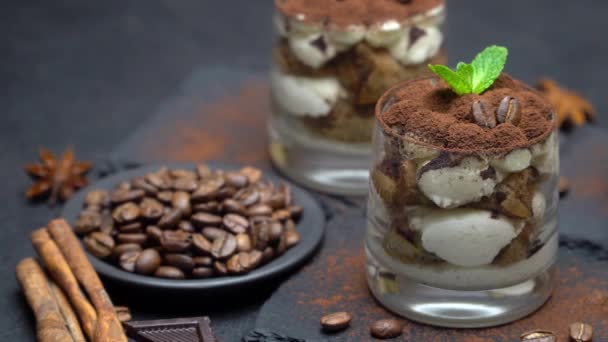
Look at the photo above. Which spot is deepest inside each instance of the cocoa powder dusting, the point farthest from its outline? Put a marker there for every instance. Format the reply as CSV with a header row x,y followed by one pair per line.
x,y
579,295
342,13
229,129
428,111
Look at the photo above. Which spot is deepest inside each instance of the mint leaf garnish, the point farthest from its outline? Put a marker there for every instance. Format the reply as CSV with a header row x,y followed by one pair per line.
x,y
477,76
457,82
488,65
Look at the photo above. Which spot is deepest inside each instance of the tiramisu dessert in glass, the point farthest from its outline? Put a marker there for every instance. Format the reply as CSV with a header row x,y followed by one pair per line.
x,y
332,61
462,211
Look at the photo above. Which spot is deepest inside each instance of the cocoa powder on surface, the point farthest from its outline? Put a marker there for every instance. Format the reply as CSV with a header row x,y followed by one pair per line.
x,y
342,13
428,111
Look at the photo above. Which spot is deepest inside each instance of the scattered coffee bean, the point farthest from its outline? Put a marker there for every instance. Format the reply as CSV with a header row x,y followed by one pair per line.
x,y
175,241
185,184
253,175
127,261
224,246
151,209
268,254
275,231
154,233
260,210
203,261
126,213
336,321
236,180
239,263
183,174
165,196
88,221
483,117
100,198
295,211
131,228
107,223
538,336
122,313
255,258
203,171
220,268
292,238
203,272
212,233
181,202
159,180
211,207
201,244
178,223
205,219
99,244
509,111
281,215
121,249
235,223
581,332
137,238
208,189
170,219
243,243
123,196
247,197
148,261
142,184
169,272
260,232
182,261
386,328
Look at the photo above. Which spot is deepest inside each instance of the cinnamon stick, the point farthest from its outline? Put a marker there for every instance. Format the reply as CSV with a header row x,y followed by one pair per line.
x,y
68,314
108,327
60,271
50,323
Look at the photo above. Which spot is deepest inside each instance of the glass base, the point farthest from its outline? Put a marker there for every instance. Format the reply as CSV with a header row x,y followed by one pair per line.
x,y
321,164
454,308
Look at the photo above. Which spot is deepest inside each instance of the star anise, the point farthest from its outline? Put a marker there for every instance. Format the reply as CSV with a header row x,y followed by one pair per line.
x,y
571,108
56,179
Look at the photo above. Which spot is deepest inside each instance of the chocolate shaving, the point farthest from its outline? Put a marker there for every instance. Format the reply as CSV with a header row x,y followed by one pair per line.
x,y
488,173
320,44
415,34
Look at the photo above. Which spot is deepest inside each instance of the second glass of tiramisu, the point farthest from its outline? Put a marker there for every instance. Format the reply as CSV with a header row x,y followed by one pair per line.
x,y
332,61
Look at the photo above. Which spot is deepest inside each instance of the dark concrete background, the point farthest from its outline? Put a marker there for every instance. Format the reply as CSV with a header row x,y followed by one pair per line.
x,y
87,73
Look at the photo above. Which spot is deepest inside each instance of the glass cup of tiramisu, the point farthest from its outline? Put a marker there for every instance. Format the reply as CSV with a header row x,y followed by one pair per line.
x,y
462,212
332,61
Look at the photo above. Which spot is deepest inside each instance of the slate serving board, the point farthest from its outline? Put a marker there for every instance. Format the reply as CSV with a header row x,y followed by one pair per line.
x,y
228,123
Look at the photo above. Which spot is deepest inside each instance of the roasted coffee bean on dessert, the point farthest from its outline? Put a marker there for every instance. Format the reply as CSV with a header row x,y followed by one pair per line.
x,y
202,223
336,321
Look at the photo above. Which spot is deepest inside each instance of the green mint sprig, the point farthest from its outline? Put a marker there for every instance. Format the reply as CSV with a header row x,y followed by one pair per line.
x,y
478,76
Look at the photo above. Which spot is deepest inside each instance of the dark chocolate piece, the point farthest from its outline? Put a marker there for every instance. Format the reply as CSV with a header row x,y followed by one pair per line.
x,y
193,329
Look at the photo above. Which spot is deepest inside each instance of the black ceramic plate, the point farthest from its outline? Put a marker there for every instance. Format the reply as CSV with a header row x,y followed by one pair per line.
x,y
310,227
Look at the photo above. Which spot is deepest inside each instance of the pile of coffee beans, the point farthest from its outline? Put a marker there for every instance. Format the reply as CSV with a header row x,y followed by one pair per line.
x,y
178,223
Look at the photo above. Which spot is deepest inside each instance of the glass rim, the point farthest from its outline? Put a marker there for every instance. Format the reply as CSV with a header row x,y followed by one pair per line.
x,y
385,99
